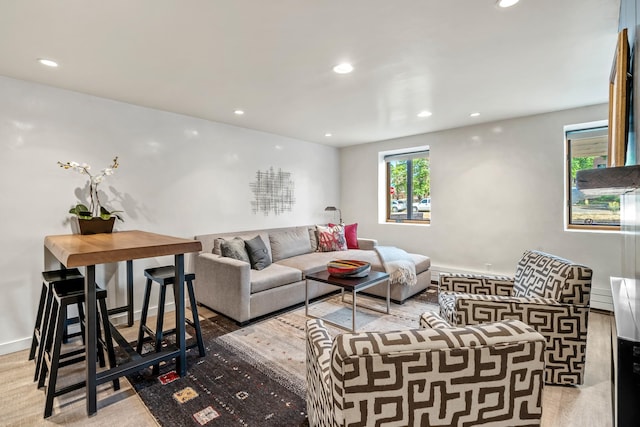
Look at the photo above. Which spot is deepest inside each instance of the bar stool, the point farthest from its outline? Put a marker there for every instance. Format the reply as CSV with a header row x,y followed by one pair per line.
x,y
165,276
44,308
65,294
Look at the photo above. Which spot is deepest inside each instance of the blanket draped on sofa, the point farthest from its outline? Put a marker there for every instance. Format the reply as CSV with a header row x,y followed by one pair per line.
x,y
398,264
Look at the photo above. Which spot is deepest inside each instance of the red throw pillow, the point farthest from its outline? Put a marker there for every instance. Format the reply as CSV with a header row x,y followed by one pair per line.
x,y
350,235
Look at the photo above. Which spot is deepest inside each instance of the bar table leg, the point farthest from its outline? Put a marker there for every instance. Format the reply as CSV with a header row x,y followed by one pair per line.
x,y
90,337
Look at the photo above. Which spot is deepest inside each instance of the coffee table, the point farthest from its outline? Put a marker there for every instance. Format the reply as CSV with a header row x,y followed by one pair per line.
x,y
354,285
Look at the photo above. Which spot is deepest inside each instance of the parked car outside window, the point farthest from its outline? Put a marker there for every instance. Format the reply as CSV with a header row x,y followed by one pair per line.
x,y
424,205
398,206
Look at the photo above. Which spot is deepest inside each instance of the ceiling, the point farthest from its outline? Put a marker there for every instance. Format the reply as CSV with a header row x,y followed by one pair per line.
x,y
274,59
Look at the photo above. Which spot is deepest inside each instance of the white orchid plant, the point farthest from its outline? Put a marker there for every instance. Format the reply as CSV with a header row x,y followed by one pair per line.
x,y
96,210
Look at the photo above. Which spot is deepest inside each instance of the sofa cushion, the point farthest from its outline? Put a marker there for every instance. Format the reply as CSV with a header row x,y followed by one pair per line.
x,y
286,244
423,263
317,261
273,276
258,254
235,249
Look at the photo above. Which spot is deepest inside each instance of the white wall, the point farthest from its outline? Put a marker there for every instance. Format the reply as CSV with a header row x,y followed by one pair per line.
x,y
497,189
178,175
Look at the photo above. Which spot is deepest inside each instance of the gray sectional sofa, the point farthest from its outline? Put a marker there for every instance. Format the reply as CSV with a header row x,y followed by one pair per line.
x,y
231,287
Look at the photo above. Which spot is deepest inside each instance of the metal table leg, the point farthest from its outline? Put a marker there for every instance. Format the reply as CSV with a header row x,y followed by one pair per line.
x,y
353,310
178,284
388,296
90,337
130,293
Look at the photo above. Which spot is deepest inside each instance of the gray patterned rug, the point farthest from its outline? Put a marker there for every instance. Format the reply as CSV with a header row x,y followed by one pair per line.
x,y
255,375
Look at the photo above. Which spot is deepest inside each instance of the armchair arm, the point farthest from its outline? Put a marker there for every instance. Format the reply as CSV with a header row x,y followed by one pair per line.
x,y
224,285
319,400
564,327
547,316
476,284
367,244
432,320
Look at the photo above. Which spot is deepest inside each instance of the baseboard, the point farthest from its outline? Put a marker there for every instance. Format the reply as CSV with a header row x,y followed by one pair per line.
x,y
601,298
13,346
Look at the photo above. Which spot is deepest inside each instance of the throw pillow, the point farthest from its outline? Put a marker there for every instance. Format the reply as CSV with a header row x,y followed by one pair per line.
x,y
234,249
351,234
258,253
331,238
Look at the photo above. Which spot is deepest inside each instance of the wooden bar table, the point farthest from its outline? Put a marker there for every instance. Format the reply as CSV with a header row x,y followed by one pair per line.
x,y
87,251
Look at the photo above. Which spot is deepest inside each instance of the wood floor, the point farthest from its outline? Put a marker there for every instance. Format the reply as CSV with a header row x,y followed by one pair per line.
x,y
22,404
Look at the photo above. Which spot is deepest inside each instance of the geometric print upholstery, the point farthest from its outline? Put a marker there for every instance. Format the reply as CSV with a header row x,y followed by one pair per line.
x,y
447,302
547,276
319,401
490,374
475,284
562,320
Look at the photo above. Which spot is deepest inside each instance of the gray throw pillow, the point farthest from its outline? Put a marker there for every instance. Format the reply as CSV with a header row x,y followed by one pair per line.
x,y
258,253
234,249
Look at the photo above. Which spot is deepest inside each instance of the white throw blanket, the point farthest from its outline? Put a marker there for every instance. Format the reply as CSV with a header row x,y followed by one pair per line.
x,y
398,264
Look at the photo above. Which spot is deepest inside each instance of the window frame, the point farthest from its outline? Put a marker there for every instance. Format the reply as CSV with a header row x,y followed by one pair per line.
x,y
407,154
603,124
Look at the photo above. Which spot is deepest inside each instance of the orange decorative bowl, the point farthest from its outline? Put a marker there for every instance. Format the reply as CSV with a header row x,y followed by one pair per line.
x,y
348,268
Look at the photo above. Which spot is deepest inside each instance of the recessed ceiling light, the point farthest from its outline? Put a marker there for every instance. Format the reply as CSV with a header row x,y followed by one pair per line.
x,y
48,62
474,114
328,134
507,3
238,112
344,68
425,113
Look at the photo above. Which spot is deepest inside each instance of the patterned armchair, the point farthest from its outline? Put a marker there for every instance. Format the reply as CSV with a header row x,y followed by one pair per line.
x,y
550,294
490,374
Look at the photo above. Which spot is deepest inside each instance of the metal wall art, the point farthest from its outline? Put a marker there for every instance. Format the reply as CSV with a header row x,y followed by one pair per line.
x,y
273,192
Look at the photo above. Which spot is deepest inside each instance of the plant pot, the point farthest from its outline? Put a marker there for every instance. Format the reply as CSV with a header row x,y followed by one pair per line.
x,y
92,226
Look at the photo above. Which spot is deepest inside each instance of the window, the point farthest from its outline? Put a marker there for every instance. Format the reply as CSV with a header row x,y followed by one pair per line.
x,y
409,187
587,149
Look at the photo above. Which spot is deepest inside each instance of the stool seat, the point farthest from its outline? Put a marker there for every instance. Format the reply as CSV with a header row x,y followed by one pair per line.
x,y
75,289
165,276
63,274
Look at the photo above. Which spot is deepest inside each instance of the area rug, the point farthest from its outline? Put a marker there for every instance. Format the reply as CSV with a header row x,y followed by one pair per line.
x,y
255,375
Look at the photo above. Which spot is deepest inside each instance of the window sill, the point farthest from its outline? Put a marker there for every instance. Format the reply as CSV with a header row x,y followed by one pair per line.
x,y
593,228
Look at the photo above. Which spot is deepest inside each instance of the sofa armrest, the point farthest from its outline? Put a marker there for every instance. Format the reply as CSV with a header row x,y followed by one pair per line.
x,y
476,284
224,285
367,244
319,399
